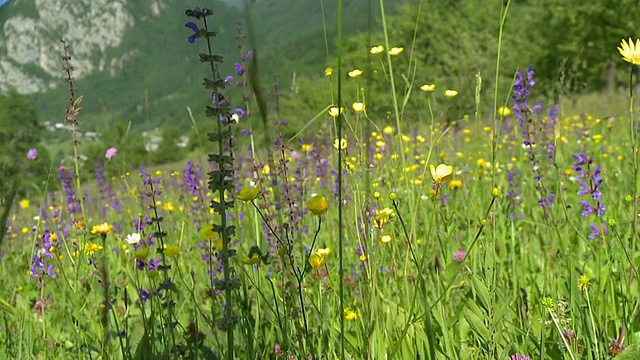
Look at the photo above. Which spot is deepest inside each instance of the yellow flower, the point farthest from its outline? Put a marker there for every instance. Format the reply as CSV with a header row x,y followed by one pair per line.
x,y
324,252
442,173
24,204
91,248
171,250
428,87
248,194
630,51
333,111
584,282
455,184
450,93
350,314
377,50
169,207
383,216
318,205
254,259
207,233
389,130
504,111
354,73
102,229
328,71
385,238
316,261
395,51
141,253
340,145
358,107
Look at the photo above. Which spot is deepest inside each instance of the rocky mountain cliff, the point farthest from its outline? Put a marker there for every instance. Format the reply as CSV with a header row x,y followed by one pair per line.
x,y
132,59
30,39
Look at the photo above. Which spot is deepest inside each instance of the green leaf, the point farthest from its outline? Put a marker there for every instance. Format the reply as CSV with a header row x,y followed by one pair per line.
x,y
477,325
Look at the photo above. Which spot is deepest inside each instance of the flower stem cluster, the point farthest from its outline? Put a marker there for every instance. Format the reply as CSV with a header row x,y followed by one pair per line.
x,y
221,178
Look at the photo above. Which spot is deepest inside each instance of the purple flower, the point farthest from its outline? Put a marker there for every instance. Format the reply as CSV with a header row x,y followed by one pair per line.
x,y
239,69
111,152
228,80
32,154
153,263
191,25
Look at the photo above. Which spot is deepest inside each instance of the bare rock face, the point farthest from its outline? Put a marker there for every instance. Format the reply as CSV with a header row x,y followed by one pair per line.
x,y
30,45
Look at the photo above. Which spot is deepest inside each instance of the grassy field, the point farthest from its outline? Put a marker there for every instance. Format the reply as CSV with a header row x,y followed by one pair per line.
x,y
503,234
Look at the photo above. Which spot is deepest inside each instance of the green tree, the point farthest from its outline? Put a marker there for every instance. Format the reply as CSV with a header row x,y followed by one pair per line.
x,y
19,132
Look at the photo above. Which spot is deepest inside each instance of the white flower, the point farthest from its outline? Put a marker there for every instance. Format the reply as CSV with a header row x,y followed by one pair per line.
x,y
133,239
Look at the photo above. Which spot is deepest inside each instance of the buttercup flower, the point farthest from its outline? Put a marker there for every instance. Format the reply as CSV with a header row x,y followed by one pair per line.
x,y
354,73
171,250
428,87
350,314
254,259
102,229
442,173
248,194
455,184
358,107
24,204
318,205
328,71
395,51
377,50
385,238
630,51
324,252
91,248
340,144
450,93
504,111
334,111
316,261
141,253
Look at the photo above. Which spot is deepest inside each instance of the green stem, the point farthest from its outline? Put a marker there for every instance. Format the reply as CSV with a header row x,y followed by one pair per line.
x,y
340,204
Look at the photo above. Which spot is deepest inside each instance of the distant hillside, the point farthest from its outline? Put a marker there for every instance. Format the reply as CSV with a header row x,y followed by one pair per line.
x,y
133,62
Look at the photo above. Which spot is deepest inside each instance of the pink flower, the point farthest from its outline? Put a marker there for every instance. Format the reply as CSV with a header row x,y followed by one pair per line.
x,y
111,152
32,154
459,255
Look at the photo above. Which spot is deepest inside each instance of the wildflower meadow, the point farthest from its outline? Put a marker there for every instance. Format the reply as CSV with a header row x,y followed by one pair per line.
x,y
391,223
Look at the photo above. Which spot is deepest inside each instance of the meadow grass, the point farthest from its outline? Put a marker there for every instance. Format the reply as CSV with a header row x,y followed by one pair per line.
x,y
506,235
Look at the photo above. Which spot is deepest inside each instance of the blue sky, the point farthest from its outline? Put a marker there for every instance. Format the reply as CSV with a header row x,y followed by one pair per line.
x,y
2,2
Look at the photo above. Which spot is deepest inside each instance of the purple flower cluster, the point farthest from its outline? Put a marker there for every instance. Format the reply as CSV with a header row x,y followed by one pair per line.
x,y
66,179
192,177
590,182
40,262
521,91
541,131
